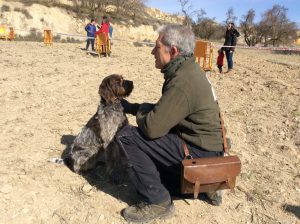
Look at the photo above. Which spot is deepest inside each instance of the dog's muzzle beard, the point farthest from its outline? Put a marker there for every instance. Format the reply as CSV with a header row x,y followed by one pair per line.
x,y
128,86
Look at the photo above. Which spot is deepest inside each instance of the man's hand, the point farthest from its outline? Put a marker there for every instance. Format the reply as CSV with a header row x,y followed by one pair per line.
x,y
130,108
146,107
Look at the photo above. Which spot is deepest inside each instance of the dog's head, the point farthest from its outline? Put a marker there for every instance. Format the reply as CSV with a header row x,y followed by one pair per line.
x,y
114,87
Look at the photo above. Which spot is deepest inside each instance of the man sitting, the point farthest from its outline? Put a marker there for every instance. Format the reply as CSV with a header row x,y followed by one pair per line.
x,y
187,108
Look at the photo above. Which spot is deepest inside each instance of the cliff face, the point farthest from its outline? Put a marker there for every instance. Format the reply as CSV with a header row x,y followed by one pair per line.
x,y
23,18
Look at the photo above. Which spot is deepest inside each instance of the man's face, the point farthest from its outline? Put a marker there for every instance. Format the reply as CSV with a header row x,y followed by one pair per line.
x,y
161,53
229,26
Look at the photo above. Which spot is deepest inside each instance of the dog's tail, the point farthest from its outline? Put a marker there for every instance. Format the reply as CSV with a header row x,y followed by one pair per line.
x,y
57,160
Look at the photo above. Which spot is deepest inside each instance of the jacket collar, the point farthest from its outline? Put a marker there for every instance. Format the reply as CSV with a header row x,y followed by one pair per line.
x,y
169,69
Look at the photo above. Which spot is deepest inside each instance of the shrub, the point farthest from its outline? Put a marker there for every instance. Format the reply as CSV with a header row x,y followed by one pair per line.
x,y
5,8
24,11
33,36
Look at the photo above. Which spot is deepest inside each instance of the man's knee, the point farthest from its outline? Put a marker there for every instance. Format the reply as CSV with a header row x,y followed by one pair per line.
x,y
125,137
126,131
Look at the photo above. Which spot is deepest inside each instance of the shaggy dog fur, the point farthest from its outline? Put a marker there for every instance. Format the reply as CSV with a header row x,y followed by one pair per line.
x,y
97,136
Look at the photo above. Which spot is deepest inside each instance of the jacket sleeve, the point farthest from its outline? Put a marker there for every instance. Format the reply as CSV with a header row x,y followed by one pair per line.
x,y
86,28
172,108
130,108
235,35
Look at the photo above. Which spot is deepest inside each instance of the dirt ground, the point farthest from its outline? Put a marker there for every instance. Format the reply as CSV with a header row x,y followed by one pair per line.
x,y
48,94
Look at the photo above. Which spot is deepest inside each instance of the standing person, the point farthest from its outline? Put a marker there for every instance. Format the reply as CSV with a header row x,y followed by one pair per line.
x,y
220,59
90,31
111,29
231,36
187,106
104,28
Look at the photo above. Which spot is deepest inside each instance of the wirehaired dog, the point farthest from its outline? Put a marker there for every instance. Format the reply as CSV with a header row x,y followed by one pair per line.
x,y
97,136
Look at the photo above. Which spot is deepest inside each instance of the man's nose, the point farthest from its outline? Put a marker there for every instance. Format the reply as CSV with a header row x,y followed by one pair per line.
x,y
153,51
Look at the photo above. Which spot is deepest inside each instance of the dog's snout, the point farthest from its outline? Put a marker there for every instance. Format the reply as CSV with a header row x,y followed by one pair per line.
x,y
128,84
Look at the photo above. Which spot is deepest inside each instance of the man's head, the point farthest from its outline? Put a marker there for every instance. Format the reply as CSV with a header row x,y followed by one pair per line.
x,y
105,19
173,40
230,25
93,21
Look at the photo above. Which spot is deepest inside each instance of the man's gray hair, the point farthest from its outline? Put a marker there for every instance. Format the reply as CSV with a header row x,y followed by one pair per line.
x,y
179,36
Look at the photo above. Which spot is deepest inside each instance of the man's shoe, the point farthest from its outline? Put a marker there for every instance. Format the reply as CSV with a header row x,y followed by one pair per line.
x,y
145,212
215,197
229,70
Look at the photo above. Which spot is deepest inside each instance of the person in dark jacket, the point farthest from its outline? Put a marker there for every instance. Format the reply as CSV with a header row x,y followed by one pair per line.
x,y
187,106
90,31
231,36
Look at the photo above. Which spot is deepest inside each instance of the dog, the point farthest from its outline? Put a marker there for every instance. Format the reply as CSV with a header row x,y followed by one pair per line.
x,y
96,138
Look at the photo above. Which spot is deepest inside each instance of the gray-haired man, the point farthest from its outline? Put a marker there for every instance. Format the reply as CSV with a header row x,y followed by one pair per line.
x,y
187,106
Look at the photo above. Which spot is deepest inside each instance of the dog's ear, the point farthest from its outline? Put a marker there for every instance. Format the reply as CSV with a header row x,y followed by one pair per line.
x,y
106,93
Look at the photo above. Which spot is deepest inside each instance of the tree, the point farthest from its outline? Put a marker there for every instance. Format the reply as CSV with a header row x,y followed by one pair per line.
x,y
249,29
129,7
275,27
188,11
205,27
92,5
230,17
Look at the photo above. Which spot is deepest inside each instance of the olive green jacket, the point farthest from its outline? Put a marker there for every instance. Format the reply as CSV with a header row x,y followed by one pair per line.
x,y
187,103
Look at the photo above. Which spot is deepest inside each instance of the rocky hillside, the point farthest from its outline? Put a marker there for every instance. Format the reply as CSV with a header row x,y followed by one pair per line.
x,y
24,18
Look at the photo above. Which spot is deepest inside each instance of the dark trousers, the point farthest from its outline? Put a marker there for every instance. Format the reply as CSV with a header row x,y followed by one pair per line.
x,y
88,42
229,57
154,165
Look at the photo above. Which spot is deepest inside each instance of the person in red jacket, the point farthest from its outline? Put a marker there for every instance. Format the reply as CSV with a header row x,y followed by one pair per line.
x,y
104,26
220,59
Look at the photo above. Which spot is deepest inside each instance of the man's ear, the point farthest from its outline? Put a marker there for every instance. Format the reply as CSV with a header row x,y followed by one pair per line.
x,y
174,52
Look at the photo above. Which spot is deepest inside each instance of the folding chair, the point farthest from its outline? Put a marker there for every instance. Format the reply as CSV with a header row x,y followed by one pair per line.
x,y
48,37
204,53
3,32
103,44
11,34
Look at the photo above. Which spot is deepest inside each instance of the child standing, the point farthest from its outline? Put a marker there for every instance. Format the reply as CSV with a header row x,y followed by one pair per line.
x,y
90,31
220,59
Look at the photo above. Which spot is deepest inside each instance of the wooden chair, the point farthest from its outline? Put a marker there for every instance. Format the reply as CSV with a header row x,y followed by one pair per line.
x,y
3,32
11,34
48,37
103,44
204,53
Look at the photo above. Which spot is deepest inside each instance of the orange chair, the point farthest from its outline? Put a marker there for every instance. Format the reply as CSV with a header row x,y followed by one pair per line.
x,y
11,34
204,53
103,44
48,37
3,32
